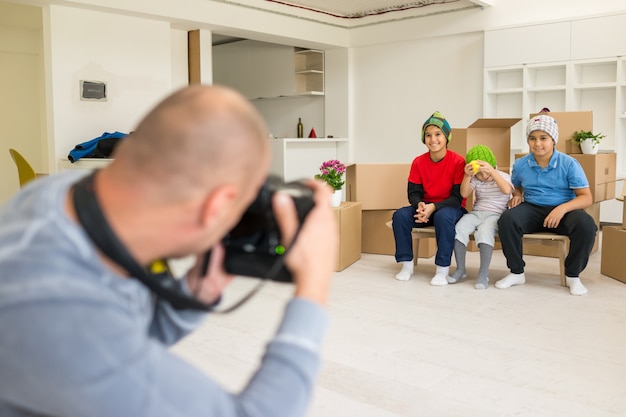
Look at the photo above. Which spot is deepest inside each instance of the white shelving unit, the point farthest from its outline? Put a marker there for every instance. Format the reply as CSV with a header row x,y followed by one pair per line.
x,y
598,85
297,158
309,72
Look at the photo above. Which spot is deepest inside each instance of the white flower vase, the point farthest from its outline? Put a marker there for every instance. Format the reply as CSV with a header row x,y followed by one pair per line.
x,y
335,198
588,147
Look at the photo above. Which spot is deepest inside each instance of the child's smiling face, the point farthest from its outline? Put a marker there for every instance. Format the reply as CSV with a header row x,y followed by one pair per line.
x,y
540,143
434,139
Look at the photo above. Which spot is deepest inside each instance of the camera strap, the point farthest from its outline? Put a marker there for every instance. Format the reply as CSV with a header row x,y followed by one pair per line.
x,y
93,220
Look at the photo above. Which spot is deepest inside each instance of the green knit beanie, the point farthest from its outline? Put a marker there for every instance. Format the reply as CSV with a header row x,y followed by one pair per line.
x,y
438,120
481,152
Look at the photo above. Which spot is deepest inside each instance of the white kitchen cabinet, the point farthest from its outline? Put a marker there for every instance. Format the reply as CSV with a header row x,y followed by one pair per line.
x,y
232,67
528,44
271,74
263,70
297,158
598,37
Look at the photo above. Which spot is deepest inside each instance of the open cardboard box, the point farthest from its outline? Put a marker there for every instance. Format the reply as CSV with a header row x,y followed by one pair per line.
x,y
494,133
570,122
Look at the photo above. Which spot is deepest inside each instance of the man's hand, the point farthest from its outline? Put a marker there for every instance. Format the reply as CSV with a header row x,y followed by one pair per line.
x,y
312,257
208,288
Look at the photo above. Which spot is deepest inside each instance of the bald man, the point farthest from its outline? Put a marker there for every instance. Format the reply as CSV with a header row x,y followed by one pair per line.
x,y
80,337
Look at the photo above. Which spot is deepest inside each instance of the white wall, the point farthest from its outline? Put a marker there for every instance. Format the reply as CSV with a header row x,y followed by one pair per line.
x,y
397,86
180,75
132,55
282,115
21,93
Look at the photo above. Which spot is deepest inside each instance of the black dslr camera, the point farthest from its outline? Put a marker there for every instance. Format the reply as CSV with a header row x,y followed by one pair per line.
x,y
253,246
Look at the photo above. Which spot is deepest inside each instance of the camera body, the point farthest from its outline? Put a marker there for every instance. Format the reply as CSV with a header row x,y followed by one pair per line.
x,y
253,247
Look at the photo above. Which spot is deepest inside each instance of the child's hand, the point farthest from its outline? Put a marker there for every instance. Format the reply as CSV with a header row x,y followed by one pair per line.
x,y
482,166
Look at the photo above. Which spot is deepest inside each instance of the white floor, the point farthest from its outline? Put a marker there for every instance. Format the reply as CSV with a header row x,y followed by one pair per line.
x,y
410,349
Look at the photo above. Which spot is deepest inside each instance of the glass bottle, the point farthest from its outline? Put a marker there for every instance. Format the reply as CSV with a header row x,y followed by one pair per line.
x,y
300,128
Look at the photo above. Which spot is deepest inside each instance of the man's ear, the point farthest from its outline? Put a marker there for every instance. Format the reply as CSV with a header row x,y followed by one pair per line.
x,y
217,203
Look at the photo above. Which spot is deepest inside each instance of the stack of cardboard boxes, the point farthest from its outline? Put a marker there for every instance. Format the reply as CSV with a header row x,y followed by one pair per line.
x,y
613,243
599,168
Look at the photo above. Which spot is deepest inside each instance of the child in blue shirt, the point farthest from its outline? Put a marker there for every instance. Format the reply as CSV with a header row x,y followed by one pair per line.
x,y
551,193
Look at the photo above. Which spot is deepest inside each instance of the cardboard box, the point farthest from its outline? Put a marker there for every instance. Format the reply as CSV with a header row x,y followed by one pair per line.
x,y
551,251
601,173
613,243
349,221
377,238
570,122
494,133
378,186
623,198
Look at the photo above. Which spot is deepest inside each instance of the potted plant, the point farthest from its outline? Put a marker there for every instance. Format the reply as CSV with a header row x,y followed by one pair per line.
x,y
587,140
332,172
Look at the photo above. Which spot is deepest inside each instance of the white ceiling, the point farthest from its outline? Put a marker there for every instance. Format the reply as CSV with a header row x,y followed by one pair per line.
x,y
350,13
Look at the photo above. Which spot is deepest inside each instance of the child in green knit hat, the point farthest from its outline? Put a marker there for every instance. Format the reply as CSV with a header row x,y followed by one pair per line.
x,y
434,197
492,190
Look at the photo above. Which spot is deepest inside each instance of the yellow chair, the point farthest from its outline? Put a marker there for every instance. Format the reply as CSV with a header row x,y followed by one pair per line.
x,y
25,171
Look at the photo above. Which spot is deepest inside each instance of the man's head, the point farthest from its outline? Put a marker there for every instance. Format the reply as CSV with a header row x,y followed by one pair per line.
x,y
200,155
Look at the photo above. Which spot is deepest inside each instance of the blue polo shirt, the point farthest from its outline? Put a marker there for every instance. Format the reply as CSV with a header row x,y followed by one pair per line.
x,y
552,185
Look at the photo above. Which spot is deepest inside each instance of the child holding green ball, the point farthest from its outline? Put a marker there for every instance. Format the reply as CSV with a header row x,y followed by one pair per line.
x,y
492,189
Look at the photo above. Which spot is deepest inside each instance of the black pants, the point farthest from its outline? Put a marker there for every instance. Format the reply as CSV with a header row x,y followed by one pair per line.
x,y
578,225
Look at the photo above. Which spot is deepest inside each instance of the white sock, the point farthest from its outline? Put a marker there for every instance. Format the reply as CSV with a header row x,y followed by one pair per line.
x,y
406,271
441,276
510,280
576,287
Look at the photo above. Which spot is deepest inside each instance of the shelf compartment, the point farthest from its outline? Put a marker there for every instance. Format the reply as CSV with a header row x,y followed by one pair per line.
x,y
504,79
309,72
504,105
544,77
309,60
595,73
552,99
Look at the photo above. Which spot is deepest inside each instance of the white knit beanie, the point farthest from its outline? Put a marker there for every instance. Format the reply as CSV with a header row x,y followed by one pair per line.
x,y
546,123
